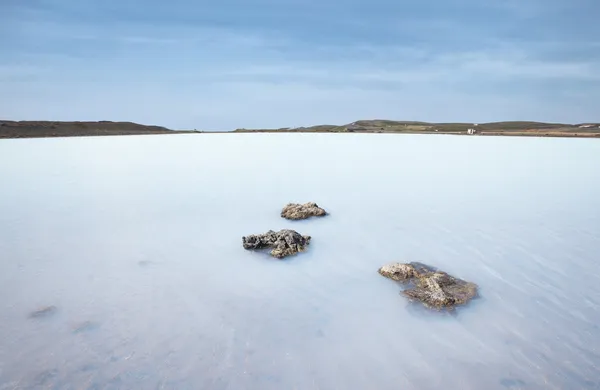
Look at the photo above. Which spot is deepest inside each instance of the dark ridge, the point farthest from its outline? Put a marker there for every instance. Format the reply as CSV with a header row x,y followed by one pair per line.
x,y
29,129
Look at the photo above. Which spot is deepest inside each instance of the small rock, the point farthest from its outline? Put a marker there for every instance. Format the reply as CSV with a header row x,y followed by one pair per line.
x,y
397,271
297,211
433,288
43,312
284,242
402,272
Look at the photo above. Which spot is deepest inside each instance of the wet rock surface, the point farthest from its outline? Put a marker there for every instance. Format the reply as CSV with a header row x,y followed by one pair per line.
x,y
296,211
433,288
283,243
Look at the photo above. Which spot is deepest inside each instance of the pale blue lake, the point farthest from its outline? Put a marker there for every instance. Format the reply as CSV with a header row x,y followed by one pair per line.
x,y
136,242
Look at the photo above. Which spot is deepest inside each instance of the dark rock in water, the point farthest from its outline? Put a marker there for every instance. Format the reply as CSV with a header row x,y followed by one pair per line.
x,y
433,288
302,211
284,242
45,376
512,383
43,312
85,326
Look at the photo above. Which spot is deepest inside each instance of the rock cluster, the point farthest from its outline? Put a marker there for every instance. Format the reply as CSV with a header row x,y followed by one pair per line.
x,y
283,243
435,289
296,211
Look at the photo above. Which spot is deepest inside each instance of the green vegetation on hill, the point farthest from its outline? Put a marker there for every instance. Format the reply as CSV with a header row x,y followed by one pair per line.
x,y
389,126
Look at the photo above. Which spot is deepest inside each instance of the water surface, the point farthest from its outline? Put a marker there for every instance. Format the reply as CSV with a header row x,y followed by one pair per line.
x,y
121,263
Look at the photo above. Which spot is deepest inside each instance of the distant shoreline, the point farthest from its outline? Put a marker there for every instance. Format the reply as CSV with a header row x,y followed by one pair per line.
x,y
500,133
52,129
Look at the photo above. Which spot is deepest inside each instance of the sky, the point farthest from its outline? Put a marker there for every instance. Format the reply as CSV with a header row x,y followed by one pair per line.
x,y
194,64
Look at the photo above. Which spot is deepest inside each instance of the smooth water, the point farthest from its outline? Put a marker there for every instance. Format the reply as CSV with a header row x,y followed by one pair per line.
x,y
136,242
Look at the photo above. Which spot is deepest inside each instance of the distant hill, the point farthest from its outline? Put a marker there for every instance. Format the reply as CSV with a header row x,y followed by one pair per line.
x,y
492,128
26,129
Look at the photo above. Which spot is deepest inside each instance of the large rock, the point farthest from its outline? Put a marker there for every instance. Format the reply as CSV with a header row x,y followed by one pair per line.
x,y
302,211
434,288
284,242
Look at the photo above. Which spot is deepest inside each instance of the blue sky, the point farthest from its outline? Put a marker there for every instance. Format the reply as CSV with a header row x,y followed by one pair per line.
x,y
276,63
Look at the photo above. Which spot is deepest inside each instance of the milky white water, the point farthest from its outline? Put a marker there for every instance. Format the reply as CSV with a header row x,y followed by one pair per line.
x,y
136,240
